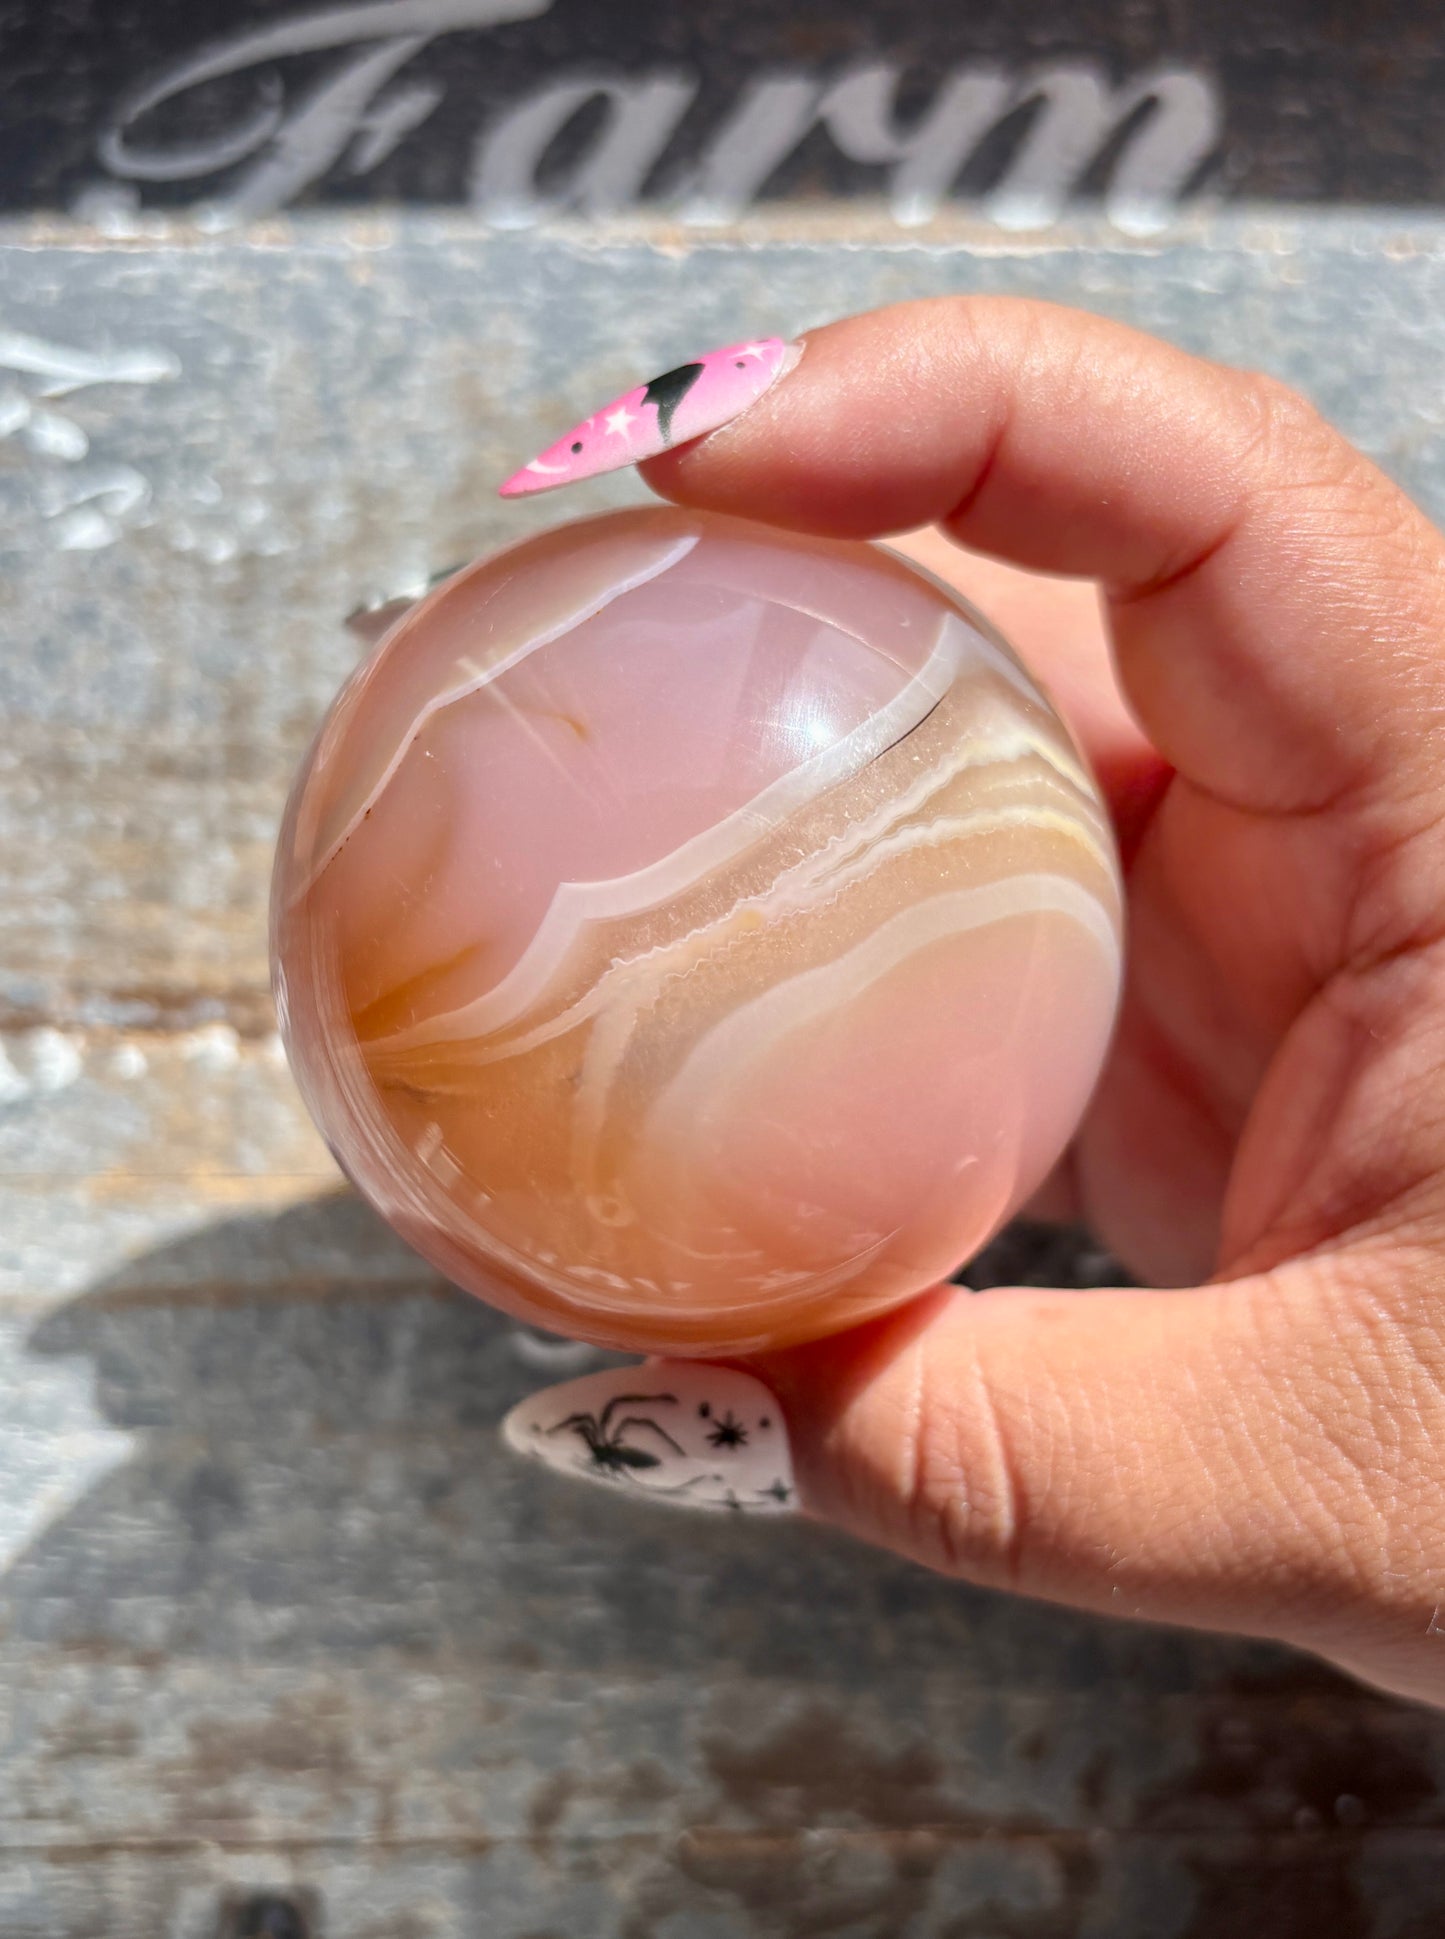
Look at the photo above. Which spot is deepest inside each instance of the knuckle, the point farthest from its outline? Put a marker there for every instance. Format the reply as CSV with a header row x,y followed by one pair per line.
x,y
1281,426
1338,506
1292,449
962,1493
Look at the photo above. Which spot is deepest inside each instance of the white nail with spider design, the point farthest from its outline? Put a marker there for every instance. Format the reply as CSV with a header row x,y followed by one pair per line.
x,y
678,1431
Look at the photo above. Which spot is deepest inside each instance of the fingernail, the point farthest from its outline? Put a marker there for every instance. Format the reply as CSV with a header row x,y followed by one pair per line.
x,y
683,1432
681,404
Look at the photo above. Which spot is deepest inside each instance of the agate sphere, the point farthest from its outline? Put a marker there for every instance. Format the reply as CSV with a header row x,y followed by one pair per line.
x,y
694,938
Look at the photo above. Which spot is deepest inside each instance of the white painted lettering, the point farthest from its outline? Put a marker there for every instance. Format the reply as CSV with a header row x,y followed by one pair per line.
x,y
1078,112
1164,123
858,113
642,116
310,141
771,118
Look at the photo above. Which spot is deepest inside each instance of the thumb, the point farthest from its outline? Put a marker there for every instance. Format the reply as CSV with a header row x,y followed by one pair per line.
x,y
1194,1457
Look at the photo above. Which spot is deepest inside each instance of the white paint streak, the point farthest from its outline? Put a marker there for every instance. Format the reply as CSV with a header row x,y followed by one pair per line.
x,y
14,1089
41,1063
66,368
213,1048
86,506
55,1060
50,434
86,530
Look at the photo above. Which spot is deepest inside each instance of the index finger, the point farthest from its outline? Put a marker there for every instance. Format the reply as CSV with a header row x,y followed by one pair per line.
x,y
1275,601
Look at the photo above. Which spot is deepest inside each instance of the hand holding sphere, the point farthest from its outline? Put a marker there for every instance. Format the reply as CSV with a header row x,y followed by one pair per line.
x,y
1251,1442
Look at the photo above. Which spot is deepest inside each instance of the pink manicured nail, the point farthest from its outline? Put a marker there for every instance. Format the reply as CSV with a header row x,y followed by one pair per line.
x,y
683,1432
681,404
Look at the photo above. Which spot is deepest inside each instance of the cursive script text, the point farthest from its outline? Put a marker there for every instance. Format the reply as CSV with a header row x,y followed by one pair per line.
x,y
1158,129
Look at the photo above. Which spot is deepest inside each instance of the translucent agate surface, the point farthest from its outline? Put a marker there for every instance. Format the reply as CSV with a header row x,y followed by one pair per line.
x,y
694,938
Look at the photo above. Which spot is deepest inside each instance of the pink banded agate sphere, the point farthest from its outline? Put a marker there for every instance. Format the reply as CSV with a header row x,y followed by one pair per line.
x,y
691,937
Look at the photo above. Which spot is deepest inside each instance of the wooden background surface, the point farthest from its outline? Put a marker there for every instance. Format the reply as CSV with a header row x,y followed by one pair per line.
x,y
286,1645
